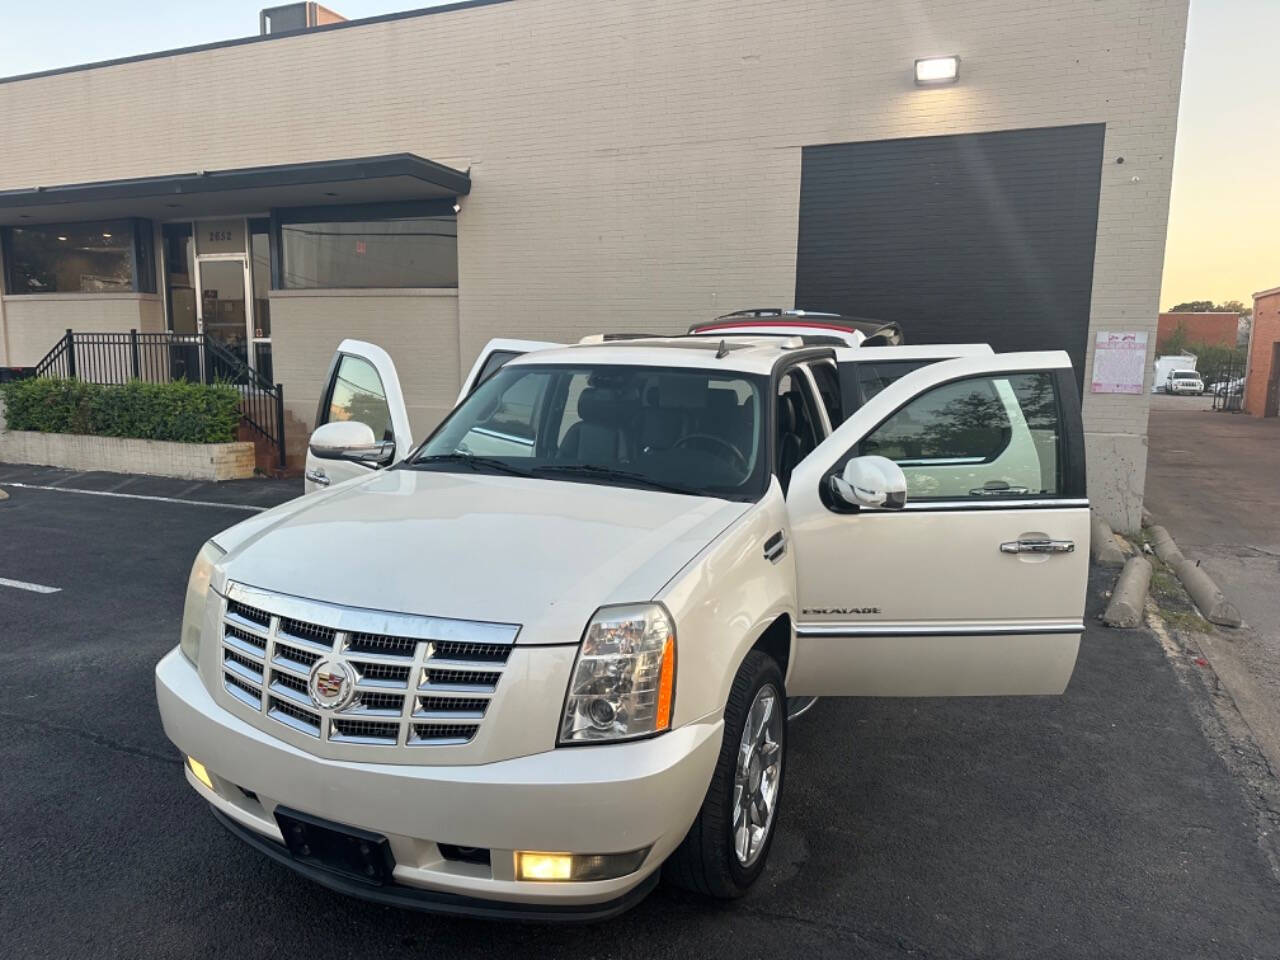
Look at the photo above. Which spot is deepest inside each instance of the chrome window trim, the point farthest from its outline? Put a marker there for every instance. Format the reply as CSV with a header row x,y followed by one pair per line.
x,y
983,503
925,630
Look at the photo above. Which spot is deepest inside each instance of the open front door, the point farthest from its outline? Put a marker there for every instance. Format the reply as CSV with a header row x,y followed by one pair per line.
x,y
362,385
977,586
493,357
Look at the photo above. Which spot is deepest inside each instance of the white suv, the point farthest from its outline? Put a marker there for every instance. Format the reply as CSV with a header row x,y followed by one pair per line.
x,y
1184,381
547,651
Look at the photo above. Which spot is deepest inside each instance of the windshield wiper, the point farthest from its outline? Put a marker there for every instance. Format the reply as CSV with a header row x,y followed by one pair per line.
x,y
609,473
474,462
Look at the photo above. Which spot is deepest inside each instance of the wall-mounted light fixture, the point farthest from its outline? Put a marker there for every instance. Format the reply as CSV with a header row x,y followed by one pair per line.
x,y
457,207
937,70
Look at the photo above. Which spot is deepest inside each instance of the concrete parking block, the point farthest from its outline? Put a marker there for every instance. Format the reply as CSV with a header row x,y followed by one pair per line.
x,y
1129,595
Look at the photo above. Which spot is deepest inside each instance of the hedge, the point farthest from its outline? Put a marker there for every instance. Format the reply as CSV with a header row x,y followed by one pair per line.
x,y
182,411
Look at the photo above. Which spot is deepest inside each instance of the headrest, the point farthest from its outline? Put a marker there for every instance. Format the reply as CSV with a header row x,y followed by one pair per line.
x,y
721,401
677,391
600,405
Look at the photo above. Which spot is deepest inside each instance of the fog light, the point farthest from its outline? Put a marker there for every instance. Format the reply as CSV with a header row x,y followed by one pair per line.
x,y
201,773
531,865
543,866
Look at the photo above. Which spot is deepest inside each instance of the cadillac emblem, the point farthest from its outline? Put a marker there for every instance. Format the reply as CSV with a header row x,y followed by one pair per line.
x,y
332,684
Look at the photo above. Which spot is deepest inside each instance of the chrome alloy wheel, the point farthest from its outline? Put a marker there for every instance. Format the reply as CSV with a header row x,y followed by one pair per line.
x,y
758,775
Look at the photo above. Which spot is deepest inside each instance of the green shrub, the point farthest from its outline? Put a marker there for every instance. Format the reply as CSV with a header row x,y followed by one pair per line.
x,y
187,412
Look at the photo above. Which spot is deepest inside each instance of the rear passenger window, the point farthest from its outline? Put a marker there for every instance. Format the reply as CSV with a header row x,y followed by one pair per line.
x,y
357,394
982,437
874,377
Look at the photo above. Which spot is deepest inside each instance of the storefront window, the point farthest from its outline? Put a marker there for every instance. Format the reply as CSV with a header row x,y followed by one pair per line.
x,y
391,252
179,259
107,256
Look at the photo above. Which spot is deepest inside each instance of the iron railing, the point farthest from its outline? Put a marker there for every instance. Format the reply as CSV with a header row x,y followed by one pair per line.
x,y
114,358
1228,385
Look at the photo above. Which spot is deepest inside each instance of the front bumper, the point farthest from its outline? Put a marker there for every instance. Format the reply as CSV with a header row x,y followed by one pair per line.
x,y
590,800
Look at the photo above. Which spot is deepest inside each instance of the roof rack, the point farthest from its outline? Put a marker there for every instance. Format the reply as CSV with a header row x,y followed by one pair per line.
x,y
877,333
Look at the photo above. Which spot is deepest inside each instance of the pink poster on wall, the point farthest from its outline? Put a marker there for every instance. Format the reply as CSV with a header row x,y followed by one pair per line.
x,y
1119,362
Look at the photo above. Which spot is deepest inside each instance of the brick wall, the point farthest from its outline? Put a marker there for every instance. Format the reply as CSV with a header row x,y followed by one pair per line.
x,y
1217,329
636,163
1262,341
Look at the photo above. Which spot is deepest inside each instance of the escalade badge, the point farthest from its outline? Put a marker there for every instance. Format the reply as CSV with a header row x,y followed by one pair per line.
x,y
331,684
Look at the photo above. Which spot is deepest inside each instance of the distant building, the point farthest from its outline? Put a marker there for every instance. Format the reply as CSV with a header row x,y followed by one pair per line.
x,y
1214,329
1262,383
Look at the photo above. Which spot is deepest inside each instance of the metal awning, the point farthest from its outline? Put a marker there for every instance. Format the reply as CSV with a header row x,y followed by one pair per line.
x,y
206,193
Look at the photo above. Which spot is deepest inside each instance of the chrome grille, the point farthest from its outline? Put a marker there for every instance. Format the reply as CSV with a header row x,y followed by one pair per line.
x,y
427,682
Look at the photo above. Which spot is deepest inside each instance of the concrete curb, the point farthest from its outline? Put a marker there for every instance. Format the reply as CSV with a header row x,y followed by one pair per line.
x,y
1211,602
1163,544
1129,595
1102,543
1215,607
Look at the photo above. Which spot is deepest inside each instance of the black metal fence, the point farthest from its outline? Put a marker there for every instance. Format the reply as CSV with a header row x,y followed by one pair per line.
x,y
1228,385
114,358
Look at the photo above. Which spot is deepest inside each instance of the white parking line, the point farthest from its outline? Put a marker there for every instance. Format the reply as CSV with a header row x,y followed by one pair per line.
x,y
136,496
33,587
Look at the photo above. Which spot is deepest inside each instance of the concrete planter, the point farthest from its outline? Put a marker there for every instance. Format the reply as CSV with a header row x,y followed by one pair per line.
x,y
157,458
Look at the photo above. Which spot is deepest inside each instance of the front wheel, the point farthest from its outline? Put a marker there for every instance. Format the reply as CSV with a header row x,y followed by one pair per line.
x,y
726,848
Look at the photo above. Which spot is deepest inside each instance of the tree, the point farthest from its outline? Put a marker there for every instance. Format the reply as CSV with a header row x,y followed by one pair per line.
x,y
1208,306
1175,342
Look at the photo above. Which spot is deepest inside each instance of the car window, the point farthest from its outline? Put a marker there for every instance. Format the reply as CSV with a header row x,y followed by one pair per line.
x,y
698,431
357,394
981,437
508,426
874,377
493,363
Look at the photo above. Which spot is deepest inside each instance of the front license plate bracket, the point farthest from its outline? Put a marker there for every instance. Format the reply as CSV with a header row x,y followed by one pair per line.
x,y
347,851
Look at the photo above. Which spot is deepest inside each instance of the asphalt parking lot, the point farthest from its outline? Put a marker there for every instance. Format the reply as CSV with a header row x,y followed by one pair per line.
x,y
1101,823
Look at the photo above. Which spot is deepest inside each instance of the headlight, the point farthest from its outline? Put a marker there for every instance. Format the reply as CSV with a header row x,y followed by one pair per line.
x,y
624,678
197,590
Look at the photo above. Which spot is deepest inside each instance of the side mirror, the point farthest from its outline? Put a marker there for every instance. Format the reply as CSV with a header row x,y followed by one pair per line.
x,y
351,440
871,481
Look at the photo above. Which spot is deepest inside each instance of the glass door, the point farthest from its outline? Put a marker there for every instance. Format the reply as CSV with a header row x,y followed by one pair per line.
x,y
226,296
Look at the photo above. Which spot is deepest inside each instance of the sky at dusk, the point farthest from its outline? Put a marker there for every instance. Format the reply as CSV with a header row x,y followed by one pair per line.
x,y
1224,219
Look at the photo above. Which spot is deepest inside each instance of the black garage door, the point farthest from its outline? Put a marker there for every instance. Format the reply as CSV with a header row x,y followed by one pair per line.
x,y
974,238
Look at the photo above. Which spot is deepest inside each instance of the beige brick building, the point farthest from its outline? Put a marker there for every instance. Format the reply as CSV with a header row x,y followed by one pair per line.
x,y
617,165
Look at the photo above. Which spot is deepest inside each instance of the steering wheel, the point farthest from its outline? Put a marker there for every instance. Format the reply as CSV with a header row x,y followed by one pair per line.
x,y
719,442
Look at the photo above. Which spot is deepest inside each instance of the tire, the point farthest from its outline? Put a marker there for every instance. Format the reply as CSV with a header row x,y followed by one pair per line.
x,y
707,862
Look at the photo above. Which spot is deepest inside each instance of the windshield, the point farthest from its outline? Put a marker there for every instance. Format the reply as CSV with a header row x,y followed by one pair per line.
x,y
683,431
1185,375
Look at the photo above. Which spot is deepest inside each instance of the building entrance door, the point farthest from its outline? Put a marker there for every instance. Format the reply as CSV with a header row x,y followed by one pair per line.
x,y
227,301
224,312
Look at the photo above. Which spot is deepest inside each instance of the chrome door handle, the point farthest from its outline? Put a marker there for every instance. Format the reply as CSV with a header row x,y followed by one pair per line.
x,y
317,477
1038,546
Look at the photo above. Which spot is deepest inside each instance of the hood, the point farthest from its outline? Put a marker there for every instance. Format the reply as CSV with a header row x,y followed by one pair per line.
x,y
540,553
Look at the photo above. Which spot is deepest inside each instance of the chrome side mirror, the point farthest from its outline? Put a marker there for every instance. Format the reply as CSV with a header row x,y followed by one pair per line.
x,y
871,481
351,440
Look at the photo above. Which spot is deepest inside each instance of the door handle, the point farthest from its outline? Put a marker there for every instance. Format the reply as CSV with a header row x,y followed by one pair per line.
x,y
317,477
1038,546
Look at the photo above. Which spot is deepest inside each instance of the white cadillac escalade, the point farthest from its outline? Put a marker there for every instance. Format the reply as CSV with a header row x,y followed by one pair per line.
x,y
534,662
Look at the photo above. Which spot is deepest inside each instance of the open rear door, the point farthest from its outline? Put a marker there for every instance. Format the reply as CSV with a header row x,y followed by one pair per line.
x,y
977,586
362,385
495,354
